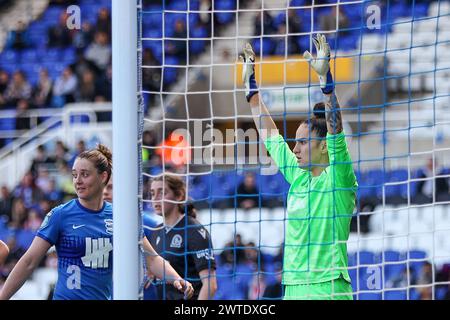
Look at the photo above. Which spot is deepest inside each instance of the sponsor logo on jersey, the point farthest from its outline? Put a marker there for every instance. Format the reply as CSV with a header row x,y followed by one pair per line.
x,y
97,253
176,242
74,227
109,226
205,254
158,240
202,232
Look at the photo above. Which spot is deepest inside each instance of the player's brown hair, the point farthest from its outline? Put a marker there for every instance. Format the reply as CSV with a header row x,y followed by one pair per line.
x,y
178,187
101,157
317,122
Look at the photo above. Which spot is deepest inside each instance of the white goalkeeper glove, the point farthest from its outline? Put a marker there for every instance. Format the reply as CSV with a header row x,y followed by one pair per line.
x,y
248,71
321,64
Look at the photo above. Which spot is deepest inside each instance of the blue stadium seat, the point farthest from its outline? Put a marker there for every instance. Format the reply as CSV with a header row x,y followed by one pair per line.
x,y
152,19
418,255
7,124
54,54
395,295
265,45
224,17
197,46
156,47
393,269
29,56
369,296
9,57
24,238
52,14
366,258
297,3
170,20
177,5
69,55
154,33
79,118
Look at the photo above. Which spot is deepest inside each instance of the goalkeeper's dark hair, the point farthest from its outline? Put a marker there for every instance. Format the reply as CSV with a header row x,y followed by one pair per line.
x,y
101,157
178,187
317,122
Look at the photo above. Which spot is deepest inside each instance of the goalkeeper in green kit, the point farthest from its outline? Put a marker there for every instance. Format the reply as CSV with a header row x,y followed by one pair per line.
x,y
322,191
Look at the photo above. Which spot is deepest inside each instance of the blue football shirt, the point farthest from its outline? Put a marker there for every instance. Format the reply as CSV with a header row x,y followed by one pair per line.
x,y
83,242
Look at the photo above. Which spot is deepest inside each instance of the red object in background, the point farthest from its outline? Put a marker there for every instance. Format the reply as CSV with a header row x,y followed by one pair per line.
x,y
175,149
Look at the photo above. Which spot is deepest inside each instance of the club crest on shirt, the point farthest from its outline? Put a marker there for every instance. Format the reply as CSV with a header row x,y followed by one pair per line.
x,y
46,219
109,226
176,241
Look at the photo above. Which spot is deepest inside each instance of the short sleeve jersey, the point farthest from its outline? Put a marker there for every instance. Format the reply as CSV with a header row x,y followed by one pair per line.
x,y
319,213
83,242
188,248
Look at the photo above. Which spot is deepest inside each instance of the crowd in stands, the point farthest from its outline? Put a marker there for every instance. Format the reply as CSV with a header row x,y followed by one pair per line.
x,y
287,32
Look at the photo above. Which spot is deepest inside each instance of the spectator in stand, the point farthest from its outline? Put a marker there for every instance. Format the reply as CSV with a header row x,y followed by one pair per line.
x,y
247,192
60,154
81,147
294,25
19,215
83,37
86,88
252,253
99,52
257,286
18,88
425,281
4,81
266,26
6,202
151,77
431,185
15,253
82,65
33,221
178,47
274,291
59,35
104,87
28,191
328,22
400,280
280,42
104,22
43,179
18,39
64,181
40,159
42,94
65,87
22,115
53,193
205,15
148,141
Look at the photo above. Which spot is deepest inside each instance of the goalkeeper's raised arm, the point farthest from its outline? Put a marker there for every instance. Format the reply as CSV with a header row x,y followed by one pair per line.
x,y
321,65
263,121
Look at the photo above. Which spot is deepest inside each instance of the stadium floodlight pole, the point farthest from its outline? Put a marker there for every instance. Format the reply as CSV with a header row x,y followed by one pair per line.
x,y
126,215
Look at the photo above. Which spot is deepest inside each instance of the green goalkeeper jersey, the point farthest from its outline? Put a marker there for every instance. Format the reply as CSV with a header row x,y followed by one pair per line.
x,y
319,213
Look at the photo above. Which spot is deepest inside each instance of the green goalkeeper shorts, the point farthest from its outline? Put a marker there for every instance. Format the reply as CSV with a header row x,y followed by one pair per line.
x,y
338,289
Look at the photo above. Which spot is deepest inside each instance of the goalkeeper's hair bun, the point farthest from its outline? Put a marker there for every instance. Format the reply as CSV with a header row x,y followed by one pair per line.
x,y
317,122
319,110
